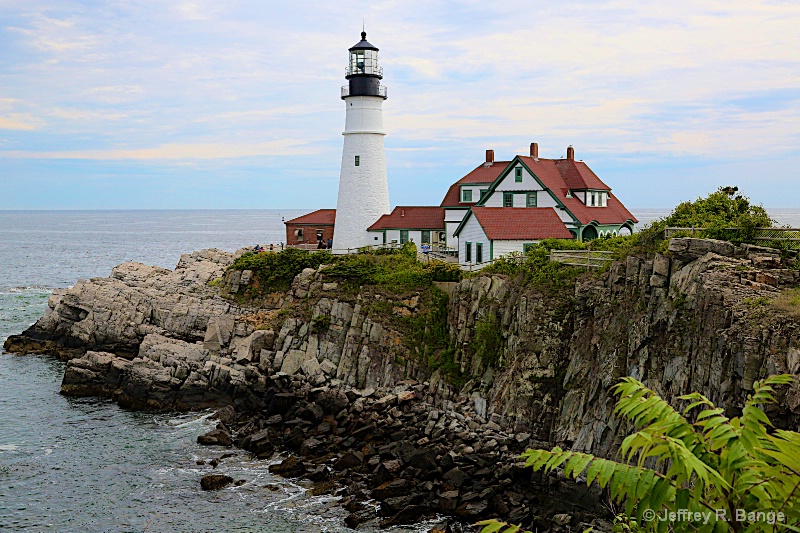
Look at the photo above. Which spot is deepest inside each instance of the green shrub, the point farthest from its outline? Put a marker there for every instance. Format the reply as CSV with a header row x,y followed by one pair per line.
x,y
725,208
443,271
536,269
275,271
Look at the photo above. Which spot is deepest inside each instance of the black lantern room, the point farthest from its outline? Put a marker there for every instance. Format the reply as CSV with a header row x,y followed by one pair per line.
x,y
363,71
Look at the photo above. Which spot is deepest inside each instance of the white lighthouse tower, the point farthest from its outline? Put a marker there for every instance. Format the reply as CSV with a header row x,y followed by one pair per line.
x,y
363,188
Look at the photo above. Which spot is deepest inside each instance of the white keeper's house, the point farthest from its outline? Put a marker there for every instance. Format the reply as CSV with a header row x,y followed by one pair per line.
x,y
497,208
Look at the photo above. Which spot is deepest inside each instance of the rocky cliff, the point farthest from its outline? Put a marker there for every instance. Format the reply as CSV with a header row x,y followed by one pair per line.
x,y
523,365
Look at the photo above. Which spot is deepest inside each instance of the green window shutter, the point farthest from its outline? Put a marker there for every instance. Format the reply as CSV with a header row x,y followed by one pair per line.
x,y
403,236
466,195
426,237
518,174
531,199
479,253
508,199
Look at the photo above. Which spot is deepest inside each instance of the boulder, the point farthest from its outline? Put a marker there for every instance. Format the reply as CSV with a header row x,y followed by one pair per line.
x,y
290,467
215,437
215,481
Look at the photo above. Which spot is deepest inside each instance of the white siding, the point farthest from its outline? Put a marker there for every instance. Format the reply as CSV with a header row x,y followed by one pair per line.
x,y
509,184
454,215
413,235
452,240
476,191
473,233
506,247
543,199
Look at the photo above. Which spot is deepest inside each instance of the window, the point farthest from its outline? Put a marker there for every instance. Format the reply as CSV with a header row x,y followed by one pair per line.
x,y
468,253
483,192
508,199
518,174
426,236
527,246
466,195
531,199
358,160
403,236
592,196
479,253
299,234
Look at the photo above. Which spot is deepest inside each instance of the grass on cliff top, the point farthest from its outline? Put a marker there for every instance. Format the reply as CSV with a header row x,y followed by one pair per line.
x,y
789,302
392,269
535,268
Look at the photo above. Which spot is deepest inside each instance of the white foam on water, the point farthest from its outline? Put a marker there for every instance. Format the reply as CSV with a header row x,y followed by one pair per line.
x,y
8,447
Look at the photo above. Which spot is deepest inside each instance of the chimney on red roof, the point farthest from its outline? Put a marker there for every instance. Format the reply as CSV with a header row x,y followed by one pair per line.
x,y
535,150
570,152
490,156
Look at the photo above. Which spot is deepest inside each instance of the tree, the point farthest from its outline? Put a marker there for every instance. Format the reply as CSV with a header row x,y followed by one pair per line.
x,y
724,208
734,473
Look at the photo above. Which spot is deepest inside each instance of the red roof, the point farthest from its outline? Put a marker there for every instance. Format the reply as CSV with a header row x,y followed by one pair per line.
x,y
520,223
578,175
485,173
320,217
560,175
411,217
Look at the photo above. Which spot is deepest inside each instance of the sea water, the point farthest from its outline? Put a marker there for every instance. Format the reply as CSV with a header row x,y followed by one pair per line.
x,y
84,464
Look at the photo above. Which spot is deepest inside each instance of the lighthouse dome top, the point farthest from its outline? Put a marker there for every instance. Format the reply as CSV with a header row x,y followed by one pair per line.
x,y
363,44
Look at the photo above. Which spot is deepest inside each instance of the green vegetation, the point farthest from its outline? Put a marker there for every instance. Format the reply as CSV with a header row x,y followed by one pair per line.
x,y
733,472
488,341
535,268
715,214
320,323
789,302
275,271
394,269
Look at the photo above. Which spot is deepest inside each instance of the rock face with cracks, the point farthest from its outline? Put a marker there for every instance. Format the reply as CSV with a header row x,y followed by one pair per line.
x,y
352,397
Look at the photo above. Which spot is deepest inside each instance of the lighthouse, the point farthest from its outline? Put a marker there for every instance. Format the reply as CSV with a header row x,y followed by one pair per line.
x,y
363,187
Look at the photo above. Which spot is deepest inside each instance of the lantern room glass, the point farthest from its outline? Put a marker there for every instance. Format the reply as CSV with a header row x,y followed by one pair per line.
x,y
364,62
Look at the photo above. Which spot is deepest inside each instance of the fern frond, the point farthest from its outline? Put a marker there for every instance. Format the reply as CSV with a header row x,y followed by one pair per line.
x,y
494,526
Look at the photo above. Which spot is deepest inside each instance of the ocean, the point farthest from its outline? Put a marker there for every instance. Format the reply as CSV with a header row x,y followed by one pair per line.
x,y
87,465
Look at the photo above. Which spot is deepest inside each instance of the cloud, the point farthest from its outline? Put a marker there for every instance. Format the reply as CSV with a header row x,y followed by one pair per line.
x,y
200,79
17,122
200,151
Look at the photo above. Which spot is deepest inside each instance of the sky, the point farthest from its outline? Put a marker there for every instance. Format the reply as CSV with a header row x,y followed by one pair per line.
x,y
236,104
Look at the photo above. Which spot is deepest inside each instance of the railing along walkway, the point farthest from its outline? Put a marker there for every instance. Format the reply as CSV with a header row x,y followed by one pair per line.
x,y
583,258
761,234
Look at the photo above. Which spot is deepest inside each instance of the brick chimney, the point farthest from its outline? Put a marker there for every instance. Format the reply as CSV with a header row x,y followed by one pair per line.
x,y
535,150
570,152
490,156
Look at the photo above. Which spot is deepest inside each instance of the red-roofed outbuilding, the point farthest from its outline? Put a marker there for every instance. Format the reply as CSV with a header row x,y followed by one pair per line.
x,y
420,224
311,228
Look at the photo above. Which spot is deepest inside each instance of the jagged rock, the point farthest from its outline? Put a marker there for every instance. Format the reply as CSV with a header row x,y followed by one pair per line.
x,y
455,477
215,437
349,460
392,489
289,467
333,401
215,481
